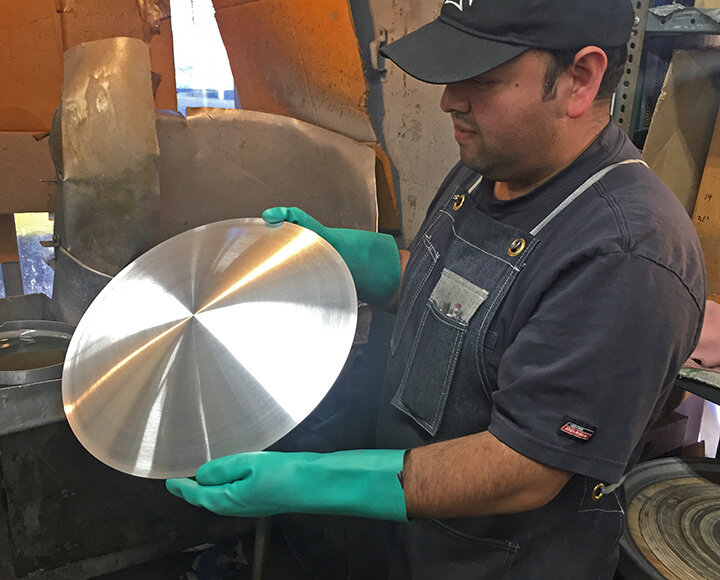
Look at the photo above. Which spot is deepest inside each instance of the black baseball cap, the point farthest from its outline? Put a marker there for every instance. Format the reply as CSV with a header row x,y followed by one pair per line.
x,y
471,37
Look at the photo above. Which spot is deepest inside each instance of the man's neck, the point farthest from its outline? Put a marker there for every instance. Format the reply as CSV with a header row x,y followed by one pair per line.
x,y
572,149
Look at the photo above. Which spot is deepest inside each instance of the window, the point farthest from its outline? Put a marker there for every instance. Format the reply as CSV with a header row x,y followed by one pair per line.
x,y
202,70
36,275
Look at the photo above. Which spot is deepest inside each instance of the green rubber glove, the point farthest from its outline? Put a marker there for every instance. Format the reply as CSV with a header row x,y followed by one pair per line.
x,y
373,259
363,483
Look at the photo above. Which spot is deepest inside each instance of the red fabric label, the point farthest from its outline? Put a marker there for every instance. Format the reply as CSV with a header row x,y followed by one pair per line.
x,y
570,429
576,430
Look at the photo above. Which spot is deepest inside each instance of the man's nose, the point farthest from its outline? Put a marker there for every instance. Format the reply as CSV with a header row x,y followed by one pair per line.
x,y
454,99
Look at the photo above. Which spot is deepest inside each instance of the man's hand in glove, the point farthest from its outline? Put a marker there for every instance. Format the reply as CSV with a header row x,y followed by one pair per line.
x,y
373,259
355,483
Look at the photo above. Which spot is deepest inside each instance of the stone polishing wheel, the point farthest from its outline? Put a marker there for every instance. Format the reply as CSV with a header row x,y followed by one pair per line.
x,y
673,521
217,341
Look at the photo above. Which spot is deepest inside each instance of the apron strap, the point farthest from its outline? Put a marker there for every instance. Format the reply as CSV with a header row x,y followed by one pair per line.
x,y
602,489
472,188
612,487
580,190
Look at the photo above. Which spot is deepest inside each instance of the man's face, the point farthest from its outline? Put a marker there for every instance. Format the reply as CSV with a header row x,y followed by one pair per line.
x,y
505,128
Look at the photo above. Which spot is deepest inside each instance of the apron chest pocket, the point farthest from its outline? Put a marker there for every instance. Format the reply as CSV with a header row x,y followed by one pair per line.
x,y
429,370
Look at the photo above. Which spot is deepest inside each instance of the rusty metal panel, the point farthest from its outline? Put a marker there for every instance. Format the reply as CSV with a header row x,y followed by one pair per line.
x,y
162,63
30,64
87,20
8,239
33,36
297,59
28,182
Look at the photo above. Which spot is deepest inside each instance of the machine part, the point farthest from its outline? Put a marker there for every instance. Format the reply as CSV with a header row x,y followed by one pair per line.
x,y
32,350
262,536
31,362
12,278
30,405
672,520
26,307
701,382
75,286
66,516
217,341
624,102
677,18
109,197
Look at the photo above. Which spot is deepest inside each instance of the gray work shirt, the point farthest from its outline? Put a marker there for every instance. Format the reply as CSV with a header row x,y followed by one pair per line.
x,y
567,360
598,324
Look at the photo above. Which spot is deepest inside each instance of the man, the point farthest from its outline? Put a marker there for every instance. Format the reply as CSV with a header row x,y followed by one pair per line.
x,y
546,305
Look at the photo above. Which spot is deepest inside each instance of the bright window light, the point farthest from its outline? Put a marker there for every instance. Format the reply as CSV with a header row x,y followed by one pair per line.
x,y
202,70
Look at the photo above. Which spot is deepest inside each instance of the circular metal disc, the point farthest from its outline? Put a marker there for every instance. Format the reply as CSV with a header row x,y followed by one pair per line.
x,y
217,341
675,523
673,518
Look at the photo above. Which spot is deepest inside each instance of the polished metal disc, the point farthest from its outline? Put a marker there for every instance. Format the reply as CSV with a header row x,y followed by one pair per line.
x,y
218,341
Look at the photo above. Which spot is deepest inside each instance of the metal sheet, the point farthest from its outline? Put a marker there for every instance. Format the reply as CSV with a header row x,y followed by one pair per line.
x,y
280,62
217,341
75,286
109,197
224,163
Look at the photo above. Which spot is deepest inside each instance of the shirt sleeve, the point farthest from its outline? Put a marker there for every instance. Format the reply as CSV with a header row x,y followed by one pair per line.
x,y
579,384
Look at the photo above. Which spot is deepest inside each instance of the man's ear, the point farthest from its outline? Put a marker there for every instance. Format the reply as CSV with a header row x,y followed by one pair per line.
x,y
587,73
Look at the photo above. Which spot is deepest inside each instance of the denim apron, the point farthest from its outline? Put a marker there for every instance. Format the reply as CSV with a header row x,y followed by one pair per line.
x,y
462,265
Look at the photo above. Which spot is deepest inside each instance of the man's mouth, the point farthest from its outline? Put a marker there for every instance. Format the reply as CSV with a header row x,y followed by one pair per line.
x,y
463,133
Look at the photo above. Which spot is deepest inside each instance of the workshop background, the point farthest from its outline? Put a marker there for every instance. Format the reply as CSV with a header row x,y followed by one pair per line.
x,y
219,109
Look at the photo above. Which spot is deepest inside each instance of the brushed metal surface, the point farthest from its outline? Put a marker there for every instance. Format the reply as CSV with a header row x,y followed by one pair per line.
x,y
218,341
109,178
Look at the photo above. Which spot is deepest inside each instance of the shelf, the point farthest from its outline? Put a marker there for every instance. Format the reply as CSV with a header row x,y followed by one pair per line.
x,y
668,20
705,384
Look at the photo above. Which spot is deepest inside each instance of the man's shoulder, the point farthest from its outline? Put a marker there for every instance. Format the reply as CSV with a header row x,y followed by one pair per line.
x,y
642,207
630,201
659,228
632,211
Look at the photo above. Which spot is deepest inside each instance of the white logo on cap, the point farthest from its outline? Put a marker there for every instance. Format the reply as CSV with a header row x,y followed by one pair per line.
x,y
458,3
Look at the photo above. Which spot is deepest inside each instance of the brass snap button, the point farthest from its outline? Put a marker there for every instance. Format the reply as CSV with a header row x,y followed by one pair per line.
x,y
516,247
459,201
597,491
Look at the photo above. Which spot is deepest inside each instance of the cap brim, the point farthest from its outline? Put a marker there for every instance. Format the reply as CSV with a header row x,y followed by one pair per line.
x,y
439,53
